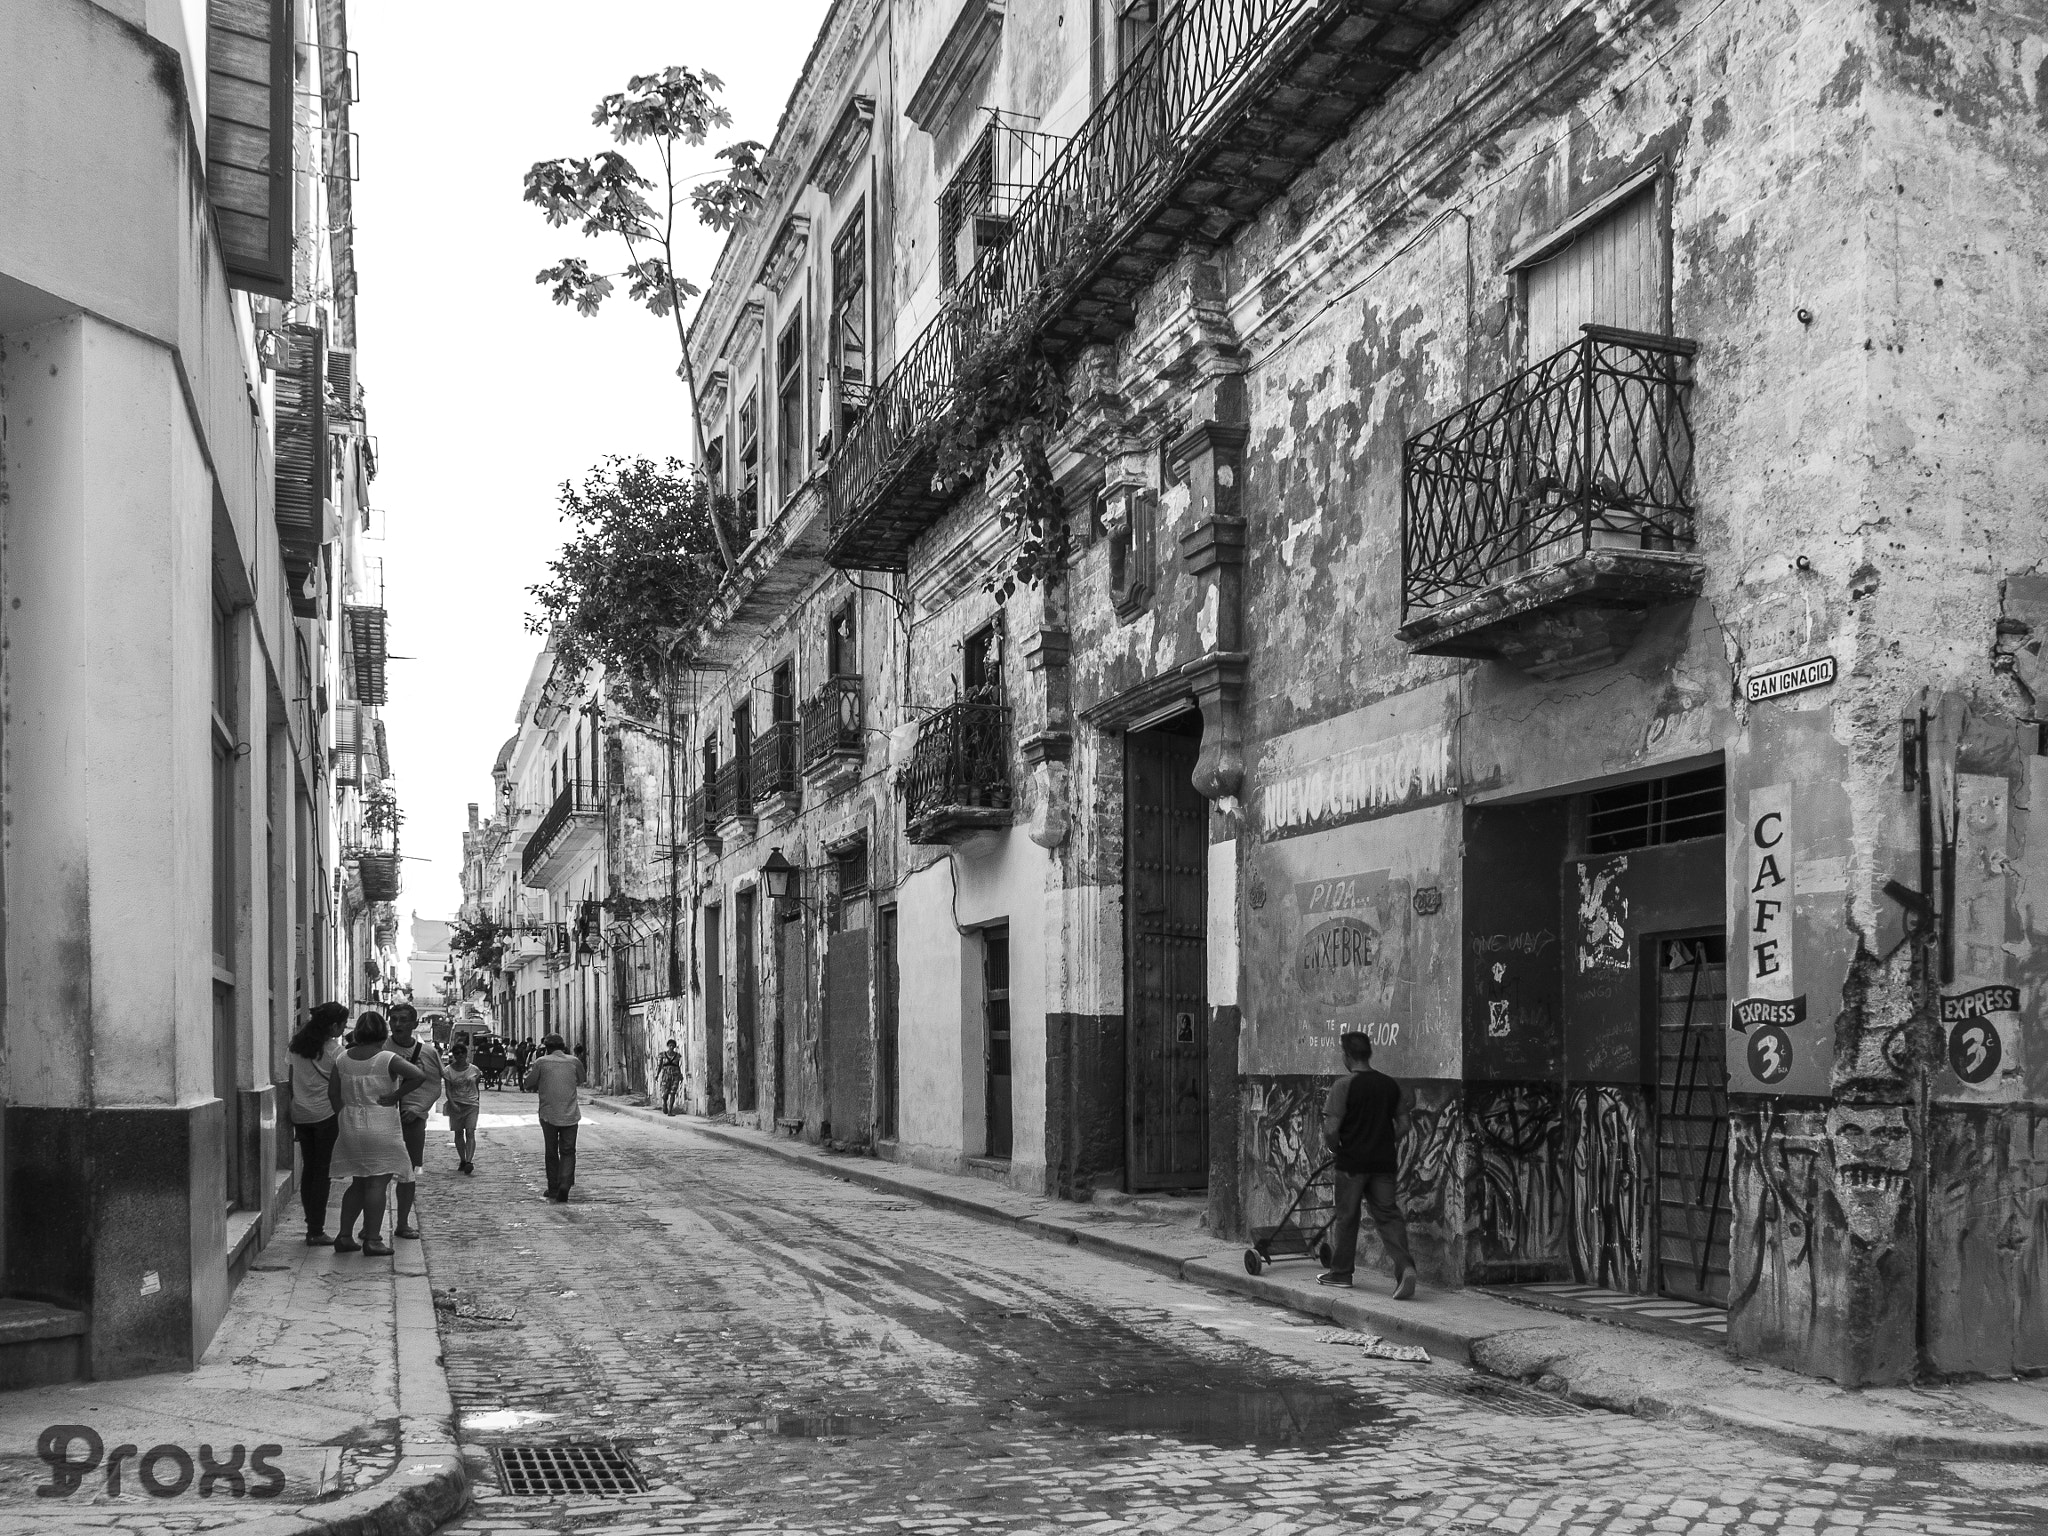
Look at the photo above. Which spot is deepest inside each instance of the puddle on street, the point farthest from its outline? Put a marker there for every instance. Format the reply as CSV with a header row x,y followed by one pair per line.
x,y
503,1421
1265,1419
816,1426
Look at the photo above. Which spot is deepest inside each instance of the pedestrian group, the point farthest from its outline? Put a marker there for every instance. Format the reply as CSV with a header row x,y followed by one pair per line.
x,y
360,1098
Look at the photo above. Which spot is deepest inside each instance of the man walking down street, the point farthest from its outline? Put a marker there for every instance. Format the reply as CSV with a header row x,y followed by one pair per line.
x,y
556,1077
414,1107
1361,1127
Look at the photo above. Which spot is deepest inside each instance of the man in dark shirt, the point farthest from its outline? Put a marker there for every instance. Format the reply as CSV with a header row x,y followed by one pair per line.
x,y
1361,1127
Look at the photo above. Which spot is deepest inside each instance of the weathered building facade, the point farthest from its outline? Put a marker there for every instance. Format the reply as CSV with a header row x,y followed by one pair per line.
x,y
182,472
1553,498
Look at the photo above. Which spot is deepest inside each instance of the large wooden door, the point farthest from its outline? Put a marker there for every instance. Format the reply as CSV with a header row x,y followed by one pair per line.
x,y
1166,1006
746,970
798,1093
714,1014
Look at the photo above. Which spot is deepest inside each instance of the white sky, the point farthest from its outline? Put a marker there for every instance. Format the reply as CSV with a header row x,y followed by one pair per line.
x,y
482,393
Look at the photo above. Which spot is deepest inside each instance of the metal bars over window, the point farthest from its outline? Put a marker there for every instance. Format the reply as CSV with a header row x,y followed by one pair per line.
x,y
1657,811
1590,449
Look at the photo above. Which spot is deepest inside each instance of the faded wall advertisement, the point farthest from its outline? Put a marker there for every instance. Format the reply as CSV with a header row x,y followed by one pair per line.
x,y
1355,928
1371,762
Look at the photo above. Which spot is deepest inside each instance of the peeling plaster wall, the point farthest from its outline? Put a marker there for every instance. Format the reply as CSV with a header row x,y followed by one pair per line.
x,y
1854,208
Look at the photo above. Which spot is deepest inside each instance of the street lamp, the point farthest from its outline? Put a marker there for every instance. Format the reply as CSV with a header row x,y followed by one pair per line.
x,y
778,878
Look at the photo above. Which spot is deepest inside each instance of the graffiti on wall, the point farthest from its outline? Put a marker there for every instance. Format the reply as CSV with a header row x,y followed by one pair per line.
x,y
1613,1186
1516,1210
1820,1275
1286,1125
1603,916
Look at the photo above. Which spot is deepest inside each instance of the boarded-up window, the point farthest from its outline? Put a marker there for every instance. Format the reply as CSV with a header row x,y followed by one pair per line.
x,y
1611,273
249,140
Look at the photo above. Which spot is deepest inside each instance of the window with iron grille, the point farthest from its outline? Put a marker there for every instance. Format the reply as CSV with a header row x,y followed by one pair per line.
x,y
789,408
1658,811
849,343
850,868
967,194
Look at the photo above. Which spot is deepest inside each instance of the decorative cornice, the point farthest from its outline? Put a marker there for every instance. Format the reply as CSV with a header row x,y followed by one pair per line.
x,y
1047,747
844,145
1219,541
1225,442
787,253
967,47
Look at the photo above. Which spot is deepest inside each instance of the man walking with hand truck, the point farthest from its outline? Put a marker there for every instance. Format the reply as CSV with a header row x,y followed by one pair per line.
x,y
1361,1127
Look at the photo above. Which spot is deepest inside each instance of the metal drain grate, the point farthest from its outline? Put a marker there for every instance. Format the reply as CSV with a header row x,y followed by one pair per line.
x,y
550,1471
1504,1397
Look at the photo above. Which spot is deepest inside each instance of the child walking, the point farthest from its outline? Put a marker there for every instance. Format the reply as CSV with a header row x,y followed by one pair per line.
x,y
464,1083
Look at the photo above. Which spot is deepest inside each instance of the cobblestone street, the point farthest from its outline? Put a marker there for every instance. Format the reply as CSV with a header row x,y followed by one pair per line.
x,y
782,1352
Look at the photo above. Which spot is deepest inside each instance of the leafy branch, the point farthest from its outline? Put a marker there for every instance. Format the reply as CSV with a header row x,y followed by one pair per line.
x,y
607,195
638,572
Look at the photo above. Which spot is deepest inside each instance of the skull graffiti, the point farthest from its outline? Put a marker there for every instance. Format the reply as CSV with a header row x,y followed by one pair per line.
x,y
1870,1150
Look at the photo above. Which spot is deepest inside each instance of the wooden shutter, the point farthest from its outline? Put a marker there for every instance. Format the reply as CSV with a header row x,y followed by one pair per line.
x,y
301,450
1612,273
347,745
249,140
341,383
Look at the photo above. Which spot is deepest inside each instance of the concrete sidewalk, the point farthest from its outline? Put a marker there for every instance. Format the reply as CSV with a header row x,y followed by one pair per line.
x,y
1590,1362
323,1390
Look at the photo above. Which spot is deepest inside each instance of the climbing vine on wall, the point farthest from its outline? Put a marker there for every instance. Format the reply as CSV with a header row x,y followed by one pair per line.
x,y
1008,402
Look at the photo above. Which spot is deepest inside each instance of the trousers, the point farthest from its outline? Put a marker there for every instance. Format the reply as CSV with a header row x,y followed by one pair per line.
x,y
559,1142
316,1151
1375,1193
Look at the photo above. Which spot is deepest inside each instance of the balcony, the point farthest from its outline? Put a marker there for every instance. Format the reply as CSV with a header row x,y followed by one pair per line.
x,y
573,826
834,743
772,767
1211,120
1543,522
959,778
732,794
647,970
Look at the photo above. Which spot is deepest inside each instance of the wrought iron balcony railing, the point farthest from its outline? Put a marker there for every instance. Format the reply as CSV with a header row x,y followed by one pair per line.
x,y
647,969
1209,121
959,769
1592,448
732,792
576,799
774,765
832,720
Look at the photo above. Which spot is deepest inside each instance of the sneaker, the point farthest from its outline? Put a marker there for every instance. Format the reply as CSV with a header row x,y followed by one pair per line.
x,y
1334,1277
1404,1288
347,1245
411,1232
319,1240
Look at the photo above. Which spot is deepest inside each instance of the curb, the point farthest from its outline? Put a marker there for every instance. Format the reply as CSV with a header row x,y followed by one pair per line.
x,y
1198,1263
430,1486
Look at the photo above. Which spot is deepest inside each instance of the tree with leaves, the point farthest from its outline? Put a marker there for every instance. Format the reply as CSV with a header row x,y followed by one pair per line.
x,y
672,112
637,573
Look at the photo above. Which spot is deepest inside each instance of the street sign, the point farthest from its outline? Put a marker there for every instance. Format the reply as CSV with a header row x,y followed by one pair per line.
x,y
1817,672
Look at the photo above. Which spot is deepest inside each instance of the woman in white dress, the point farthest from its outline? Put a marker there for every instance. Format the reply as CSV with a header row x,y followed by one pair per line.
x,y
367,1084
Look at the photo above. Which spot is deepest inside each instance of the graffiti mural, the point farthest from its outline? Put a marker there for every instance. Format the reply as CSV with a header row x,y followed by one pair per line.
x,y
1284,1116
1603,916
1516,1203
1823,1275
1612,1186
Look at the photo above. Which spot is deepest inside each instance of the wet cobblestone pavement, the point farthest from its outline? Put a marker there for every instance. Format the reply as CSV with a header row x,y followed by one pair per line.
x,y
779,1351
